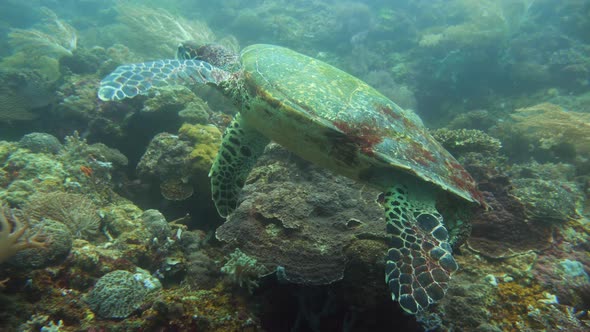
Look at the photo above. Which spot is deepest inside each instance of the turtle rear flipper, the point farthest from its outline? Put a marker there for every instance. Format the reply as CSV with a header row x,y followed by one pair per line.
x,y
130,80
419,262
239,150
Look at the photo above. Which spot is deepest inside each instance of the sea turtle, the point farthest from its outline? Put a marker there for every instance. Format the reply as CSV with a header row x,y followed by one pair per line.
x,y
337,121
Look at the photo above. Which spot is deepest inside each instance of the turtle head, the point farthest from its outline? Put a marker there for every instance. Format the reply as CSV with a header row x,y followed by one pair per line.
x,y
215,54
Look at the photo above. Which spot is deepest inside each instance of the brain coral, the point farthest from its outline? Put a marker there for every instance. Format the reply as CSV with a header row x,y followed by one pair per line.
x,y
119,293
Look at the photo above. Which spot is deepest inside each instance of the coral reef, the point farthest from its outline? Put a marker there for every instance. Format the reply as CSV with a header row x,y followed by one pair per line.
x,y
503,230
117,294
53,37
160,31
547,201
459,141
243,270
13,238
170,99
58,246
165,158
22,94
76,211
298,219
156,224
305,246
206,140
40,143
551,130
195,112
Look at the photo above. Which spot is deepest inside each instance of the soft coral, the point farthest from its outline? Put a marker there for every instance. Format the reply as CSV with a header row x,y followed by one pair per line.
x,y
12,239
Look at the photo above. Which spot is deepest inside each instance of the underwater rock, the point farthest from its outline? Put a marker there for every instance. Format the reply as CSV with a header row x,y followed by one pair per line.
x,y
176,190
165,158
156,224
21,93
40,143
206,140
121,217
83,60
58,246
45,170
107,154
78,106
166,161
560,172
503,229
477,119
298,219
6,148
195,112
464,303
547,201
459,141
170,100
119,293
573,269
202,270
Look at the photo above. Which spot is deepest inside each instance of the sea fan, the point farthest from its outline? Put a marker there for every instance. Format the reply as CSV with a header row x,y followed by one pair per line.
x,y
53,37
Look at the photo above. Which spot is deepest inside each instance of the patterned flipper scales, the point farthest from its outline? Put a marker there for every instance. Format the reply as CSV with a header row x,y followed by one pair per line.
x,y
419,262
130,80
239,150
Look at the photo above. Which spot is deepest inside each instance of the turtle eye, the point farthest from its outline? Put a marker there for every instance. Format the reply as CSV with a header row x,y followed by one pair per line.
x,y
186,51
181,52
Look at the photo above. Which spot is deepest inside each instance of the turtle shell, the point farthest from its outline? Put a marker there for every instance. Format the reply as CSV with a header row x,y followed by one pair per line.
x,y
339,110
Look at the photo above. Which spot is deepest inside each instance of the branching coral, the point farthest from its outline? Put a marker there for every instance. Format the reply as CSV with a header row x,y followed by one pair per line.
x,y
53,37
12,235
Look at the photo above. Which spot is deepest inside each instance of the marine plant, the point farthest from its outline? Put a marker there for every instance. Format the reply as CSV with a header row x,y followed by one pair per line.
x,y
53,37
161,29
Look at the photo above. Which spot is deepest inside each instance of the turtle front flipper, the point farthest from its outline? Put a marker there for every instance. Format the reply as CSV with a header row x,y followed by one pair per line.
x,y
128,81
419,262
240,148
